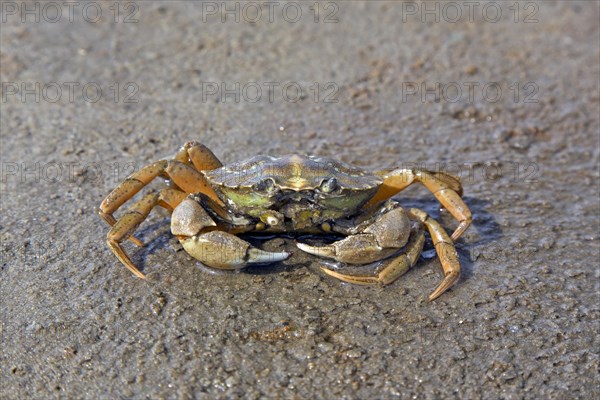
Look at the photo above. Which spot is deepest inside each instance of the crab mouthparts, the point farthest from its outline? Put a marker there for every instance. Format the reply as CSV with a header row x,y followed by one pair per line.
x,y
293,197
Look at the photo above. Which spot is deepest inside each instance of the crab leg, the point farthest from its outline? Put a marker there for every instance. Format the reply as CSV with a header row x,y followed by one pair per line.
x,y
393,269
129,222
444,247
170,198
125,227
199,155
184,176
183,170
445,187
126,190
190,180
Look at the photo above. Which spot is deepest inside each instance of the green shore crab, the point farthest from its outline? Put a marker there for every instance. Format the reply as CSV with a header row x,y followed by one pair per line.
x,y
211,204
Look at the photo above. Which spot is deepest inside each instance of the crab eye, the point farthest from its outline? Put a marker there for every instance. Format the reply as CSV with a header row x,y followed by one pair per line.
x,y
329,185
266,185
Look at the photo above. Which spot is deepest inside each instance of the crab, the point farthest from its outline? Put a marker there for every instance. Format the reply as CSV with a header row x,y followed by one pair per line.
x,y
212,204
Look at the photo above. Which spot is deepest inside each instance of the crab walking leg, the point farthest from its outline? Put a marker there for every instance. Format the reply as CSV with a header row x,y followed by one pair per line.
x,y
202,157
129,222
170,198
112,221
222,250
130,186
198,155
183,175
444,247
125,227
127,189
393,269
438,184
445,187
190,180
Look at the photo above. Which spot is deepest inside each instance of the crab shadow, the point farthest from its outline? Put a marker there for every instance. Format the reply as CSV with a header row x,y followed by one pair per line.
x,y
157,236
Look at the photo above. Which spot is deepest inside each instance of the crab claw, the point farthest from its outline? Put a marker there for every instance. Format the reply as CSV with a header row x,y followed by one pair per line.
x,y
223,250
258,256
357,249
330,251
320,251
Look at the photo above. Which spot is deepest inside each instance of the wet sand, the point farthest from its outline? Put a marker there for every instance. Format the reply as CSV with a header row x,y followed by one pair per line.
x,y
509,105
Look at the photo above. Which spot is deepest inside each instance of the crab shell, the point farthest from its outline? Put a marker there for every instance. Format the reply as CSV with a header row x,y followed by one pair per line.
x,y
303,189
